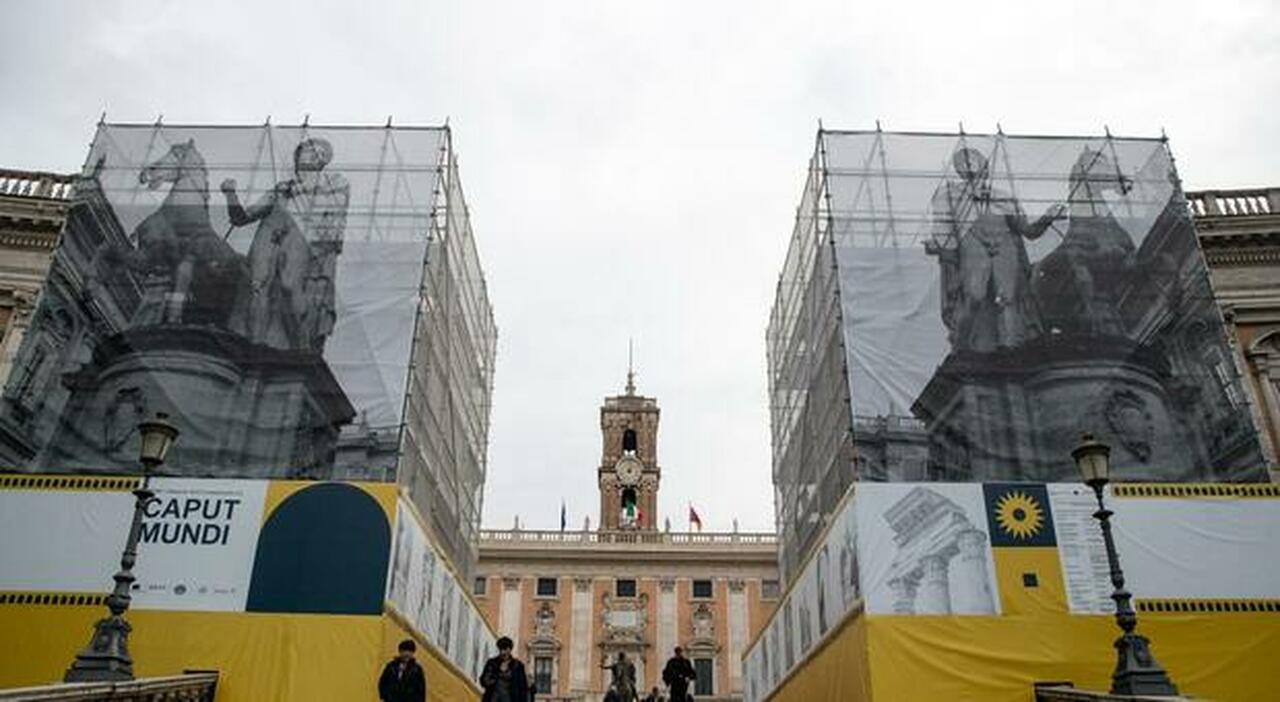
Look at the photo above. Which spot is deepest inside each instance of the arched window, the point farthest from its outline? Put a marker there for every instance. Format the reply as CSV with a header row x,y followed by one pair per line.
x,y
629,441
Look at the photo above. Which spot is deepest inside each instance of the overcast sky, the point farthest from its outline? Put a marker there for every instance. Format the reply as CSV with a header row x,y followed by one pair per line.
x,y
633,168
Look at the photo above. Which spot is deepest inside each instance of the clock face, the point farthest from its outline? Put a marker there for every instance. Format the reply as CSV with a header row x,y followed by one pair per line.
x,y
628,470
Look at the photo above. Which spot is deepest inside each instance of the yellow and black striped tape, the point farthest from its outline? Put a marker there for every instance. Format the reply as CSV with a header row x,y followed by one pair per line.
x,y
1200,490
1213,606
18,481
64,599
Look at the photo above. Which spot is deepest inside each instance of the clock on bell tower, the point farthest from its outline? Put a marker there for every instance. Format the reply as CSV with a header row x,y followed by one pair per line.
x,y
629,473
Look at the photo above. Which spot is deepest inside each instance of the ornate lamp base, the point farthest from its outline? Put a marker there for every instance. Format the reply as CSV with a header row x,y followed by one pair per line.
x,y
1137,672
106,658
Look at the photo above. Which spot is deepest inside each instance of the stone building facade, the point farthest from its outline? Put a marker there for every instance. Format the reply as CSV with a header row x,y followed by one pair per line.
x,y
1240,233
573,600
33,206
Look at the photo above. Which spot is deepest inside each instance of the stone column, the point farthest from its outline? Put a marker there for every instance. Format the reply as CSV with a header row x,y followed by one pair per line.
x,y
935,590
666,624
509,610
972,593
737,634
904,594
581,615
1269,386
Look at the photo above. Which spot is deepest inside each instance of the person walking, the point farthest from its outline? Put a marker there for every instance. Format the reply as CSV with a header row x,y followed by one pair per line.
x,y
402,679
504,678
654,695
676,674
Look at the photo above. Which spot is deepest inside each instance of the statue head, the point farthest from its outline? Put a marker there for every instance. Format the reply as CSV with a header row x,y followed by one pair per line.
x,y
970,164
312,154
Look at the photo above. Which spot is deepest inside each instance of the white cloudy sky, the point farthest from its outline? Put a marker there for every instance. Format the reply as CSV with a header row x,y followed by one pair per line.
x,y
633,167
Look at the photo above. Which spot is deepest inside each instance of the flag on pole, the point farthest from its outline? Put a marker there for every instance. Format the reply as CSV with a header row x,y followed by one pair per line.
x,y
564,516
694,519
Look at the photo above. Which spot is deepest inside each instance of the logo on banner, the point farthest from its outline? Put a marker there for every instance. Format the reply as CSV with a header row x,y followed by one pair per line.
x,y
1019,515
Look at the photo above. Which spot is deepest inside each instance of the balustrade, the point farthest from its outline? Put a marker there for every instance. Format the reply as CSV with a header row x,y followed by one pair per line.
x,y
190,687
48,186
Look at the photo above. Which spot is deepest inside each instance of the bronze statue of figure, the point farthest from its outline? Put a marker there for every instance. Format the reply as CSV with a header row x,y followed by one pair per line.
x,y
623,683
977,234
293,258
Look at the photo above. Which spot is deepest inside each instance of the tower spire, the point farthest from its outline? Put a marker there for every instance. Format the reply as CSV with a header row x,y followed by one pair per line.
x,y
631,373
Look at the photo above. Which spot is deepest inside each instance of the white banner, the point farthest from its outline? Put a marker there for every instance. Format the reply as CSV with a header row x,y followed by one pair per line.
x,y
423,589
1170,547
196,553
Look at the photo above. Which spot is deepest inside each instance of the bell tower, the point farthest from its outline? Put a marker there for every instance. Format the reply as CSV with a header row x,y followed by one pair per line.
x,y
629,473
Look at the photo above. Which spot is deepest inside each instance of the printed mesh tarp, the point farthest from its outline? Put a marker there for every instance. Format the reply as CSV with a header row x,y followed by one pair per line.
x,y
259,285
1008,293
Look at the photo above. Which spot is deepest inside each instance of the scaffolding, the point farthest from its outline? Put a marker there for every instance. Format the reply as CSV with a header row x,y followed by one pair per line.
x,y
961,307
305,302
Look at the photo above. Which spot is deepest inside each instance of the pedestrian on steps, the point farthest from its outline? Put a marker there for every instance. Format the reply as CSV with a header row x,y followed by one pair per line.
x,y
402,679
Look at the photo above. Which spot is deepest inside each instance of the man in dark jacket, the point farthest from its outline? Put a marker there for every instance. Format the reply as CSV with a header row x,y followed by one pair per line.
x,y
677,674
504,679
403,680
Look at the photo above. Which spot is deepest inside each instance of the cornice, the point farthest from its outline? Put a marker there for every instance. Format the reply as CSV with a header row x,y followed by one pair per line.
x,y
38,239
1267,255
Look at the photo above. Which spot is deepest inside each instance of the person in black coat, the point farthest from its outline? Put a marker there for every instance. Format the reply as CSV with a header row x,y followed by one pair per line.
x,y
504,678
677,674
402,679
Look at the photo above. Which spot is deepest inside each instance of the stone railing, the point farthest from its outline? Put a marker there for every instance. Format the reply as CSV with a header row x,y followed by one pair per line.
x,y
655,538
191,687
1071,694
35,184
1252,202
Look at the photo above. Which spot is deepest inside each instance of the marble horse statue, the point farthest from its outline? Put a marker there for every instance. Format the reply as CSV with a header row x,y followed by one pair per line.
x,y
190,274
1078,286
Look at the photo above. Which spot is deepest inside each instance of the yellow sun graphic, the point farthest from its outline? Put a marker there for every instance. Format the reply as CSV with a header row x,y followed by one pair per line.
x,y
1019,515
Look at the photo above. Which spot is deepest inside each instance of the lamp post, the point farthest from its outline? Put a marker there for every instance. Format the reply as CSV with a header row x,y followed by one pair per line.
x,y
106,657
1137,672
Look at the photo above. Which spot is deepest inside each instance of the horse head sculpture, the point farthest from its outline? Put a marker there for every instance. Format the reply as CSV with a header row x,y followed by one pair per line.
x,y
182,165
1078,285
1094,174
176,247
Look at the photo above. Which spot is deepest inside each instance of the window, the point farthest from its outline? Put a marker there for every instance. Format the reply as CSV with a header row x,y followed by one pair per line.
x,y
769,589
547,587
629,441
702,589
705,669
479,587
625,588
542,674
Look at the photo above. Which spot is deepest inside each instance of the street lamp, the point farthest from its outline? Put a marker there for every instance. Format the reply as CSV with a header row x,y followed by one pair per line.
x,y
106,657
1137,672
